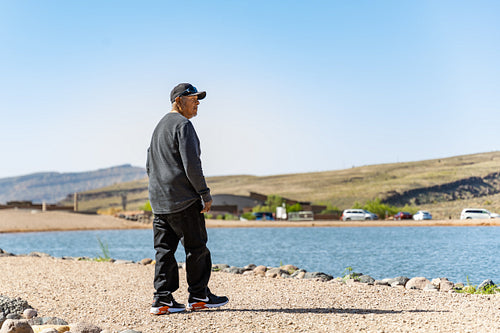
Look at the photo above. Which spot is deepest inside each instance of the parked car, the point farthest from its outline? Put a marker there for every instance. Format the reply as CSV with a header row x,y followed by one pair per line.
x,y
422,215
477,213
357,215
403,216
263,216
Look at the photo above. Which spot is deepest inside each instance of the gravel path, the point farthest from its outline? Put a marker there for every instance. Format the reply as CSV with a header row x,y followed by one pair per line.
x,y
118,296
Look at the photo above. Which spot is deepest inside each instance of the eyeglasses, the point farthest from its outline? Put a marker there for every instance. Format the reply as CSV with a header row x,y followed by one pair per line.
x,y
189,91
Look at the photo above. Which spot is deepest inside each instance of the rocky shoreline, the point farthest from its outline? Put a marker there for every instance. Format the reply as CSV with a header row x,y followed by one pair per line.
x,y
16,315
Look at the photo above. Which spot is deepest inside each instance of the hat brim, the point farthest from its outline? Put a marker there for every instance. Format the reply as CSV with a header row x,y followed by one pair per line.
x,y
200,94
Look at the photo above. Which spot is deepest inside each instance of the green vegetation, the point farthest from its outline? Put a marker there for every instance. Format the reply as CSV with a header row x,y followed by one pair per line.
x,y
349,274
273,201
105,251
383,210
338,189
146,207
249,216
473,289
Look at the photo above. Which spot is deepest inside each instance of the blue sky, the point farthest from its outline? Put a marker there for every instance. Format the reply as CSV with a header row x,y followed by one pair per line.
x,y
292,86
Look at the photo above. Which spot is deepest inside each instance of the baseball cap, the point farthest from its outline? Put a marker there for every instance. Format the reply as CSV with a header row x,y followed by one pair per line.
x,y
186,89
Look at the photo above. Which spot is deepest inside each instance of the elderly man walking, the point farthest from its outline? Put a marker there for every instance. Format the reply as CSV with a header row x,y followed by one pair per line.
x,y
177,188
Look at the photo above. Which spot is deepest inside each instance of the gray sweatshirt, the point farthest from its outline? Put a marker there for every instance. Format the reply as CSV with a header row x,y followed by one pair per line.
x,y
173,165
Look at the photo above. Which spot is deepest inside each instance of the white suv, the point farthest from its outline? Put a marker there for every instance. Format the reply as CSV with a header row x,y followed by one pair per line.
x,y
477,213
357,215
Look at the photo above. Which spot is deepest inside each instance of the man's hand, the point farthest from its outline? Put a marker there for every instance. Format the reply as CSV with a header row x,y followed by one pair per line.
x,y
206,209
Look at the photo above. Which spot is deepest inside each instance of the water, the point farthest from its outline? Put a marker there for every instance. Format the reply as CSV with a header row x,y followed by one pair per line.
x,y
452,252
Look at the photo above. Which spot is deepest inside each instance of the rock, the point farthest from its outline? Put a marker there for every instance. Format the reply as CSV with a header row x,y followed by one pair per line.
x,y
249,267
275,272
260,270
289,268
219,267
14,316
318,275
234,270
443,284
446,286
299,274
129,331
417,283
82,327
381,283
430,287
52,321
16,326
146,261
366,279
12,305
38,254
121,262
30,313
459,285
485,284
50,328
399,281
248,273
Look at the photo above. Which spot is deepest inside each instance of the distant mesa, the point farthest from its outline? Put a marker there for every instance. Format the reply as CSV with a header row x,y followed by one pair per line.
x,y
52,187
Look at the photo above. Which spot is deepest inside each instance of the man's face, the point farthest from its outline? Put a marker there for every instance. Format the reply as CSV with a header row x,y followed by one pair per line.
x,y
189,106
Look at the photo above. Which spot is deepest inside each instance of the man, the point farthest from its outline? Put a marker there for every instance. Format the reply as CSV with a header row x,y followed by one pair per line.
x,y
176,189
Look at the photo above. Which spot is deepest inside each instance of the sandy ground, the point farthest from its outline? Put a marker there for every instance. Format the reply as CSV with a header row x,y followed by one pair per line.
x,y
12,220
118,297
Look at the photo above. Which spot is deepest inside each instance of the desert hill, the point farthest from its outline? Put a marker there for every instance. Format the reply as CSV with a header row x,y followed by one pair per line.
x,y
52,187
444,186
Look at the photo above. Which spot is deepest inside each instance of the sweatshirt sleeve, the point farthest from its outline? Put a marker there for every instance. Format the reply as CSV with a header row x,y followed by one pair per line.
x,y
189,149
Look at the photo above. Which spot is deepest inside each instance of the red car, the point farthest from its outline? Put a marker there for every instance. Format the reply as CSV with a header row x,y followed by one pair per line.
x,y
403,216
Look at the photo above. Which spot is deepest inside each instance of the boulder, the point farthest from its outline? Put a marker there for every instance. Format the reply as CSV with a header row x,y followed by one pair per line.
x,y
430,287
50,328
366,279
289,268
318,275
275,272
38,254
485,283
260,270
443,284
16,326
30,313
249,267
417,283
381,283
54,321
219,267
233,270
83,327
146,261
299,274
399,281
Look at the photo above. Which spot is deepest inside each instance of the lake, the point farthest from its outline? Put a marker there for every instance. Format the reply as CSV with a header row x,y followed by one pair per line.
x,y
452,252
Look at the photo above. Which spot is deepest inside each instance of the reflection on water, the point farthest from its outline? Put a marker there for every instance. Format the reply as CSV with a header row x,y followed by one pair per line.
x,y
452,252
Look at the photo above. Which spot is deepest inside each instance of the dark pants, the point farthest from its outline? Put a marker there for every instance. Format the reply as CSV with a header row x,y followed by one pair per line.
x,y
188,226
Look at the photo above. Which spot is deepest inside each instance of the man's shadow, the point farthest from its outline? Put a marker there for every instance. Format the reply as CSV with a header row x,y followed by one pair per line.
x,y
329,310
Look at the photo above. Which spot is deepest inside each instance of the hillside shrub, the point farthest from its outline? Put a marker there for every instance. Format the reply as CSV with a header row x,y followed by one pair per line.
x,y
381,209
146,207
248,216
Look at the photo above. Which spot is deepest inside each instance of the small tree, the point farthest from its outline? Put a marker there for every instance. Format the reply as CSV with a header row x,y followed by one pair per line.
x,y
294,208
146,207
